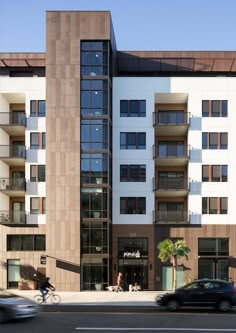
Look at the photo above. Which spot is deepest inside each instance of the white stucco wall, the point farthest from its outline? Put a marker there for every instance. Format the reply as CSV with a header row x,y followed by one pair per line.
x,y
197,89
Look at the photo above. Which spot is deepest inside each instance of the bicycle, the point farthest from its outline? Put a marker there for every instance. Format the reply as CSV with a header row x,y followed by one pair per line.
x,y
54,298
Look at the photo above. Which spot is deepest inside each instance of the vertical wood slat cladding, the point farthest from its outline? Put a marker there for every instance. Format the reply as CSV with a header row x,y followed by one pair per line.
x,y
190,235
65,30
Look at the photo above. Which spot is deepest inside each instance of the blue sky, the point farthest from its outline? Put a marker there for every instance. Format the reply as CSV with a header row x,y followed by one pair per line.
x,y
138,24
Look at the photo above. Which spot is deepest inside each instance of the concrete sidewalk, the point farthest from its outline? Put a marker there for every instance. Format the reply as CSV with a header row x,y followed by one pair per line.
x,y
100,298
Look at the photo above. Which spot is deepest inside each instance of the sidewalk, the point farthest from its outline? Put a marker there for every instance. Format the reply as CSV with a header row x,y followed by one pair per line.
x,y
100,298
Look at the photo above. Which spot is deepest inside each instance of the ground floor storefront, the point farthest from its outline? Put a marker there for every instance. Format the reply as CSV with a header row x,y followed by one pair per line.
x,y
135,254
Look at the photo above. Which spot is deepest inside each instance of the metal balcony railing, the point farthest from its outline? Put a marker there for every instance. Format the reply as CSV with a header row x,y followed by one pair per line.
x,y
12,151
12,118
170,150
12,184
171,217
171,118
170,183
12,217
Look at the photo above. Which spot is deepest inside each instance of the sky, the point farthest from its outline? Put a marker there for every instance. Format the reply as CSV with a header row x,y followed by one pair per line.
x,y
160,25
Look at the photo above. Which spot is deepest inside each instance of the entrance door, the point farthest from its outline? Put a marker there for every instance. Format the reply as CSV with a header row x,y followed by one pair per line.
x,y
213,268
18,209
13,273
132,275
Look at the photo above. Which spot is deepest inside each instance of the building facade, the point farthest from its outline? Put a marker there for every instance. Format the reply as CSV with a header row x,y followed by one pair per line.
x,y
105,153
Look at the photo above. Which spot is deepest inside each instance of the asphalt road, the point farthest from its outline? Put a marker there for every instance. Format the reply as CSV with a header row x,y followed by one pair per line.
x,y
123,319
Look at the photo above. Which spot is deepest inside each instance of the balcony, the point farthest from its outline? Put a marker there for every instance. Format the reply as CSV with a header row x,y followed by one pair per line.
x,y
13,123
13,187
13,155
168,217
170,187
170,154
168,123
12,217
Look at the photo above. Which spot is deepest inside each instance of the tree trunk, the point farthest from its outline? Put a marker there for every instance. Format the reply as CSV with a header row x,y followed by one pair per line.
x,y
175,265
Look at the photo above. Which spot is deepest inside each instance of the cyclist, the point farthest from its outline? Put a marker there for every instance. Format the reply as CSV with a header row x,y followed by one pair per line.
x,y
45,286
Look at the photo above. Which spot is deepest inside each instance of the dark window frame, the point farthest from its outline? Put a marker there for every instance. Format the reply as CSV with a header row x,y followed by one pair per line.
x,y
128,110
132,205
214,205
215,140
215,108
210,174
23,240
132,140
127,169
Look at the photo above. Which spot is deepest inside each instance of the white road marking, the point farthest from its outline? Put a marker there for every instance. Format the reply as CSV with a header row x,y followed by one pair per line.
x,y
155,329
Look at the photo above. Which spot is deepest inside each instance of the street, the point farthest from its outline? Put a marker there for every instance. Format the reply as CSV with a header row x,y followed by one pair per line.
x,y
66,319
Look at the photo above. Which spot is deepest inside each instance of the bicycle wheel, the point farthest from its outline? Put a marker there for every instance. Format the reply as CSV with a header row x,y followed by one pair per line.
x,y
55,299
38,299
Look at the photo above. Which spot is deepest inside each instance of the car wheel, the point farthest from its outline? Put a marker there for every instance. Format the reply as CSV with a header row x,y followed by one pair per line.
x,y
172,305
224,305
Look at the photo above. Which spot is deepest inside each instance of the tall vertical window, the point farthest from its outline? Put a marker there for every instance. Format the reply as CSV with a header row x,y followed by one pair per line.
x,y
37,140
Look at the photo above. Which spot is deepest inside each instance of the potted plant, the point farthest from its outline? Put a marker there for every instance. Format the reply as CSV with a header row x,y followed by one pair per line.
x,y
26,283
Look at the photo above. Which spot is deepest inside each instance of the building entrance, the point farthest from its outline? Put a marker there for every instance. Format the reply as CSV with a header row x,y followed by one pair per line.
x,y
133,261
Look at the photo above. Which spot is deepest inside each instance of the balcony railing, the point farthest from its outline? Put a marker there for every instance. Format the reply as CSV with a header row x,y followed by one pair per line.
x,y
171,217
170,118
13,151
12,118
166,183
12,184
12,217
171,150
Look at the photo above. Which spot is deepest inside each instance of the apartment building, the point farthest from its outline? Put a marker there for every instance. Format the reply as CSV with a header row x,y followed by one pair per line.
x,y
104,153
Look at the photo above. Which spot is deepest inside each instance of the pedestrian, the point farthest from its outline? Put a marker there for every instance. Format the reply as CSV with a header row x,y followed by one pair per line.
x,y
119,282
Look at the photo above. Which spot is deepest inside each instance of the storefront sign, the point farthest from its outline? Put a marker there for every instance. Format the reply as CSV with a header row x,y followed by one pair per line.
x,y
132,254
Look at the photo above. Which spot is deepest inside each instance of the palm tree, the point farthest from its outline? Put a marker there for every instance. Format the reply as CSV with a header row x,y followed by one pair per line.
x,y
173,250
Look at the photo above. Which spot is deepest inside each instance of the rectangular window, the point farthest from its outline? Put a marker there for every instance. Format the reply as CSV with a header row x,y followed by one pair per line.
x,y
215,108
37,205
94,97
211,205
132,173
171,149
37,108
26,243
214,173
132,108
213,246
214,140
37,140
94,58
132,205
134,140
37,173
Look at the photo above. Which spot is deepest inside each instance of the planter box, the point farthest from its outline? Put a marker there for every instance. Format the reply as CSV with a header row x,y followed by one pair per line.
x,y
27,285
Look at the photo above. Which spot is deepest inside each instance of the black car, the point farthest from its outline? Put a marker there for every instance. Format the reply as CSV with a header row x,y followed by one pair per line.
x,y
204,292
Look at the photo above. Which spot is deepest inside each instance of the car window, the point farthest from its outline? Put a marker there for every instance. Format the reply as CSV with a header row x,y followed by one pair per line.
x,y
193,285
